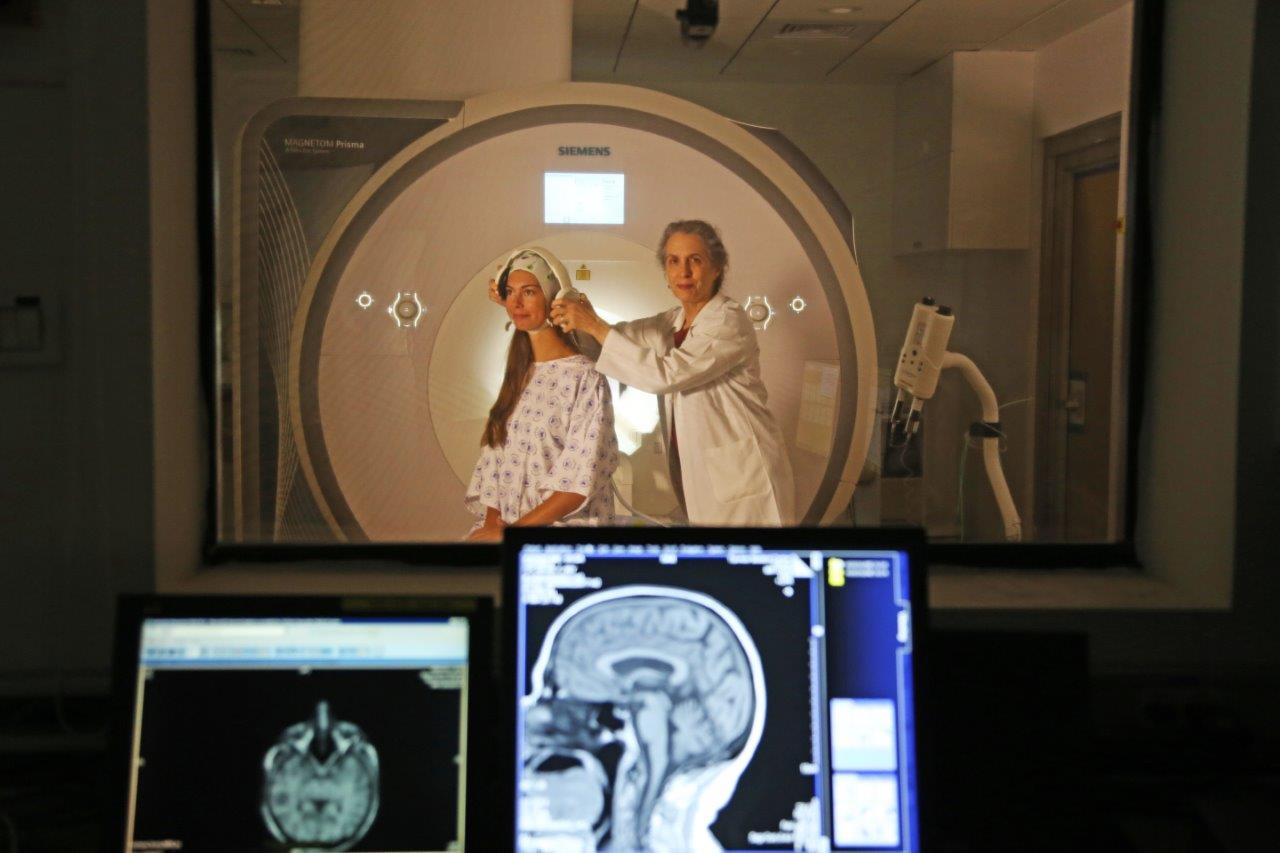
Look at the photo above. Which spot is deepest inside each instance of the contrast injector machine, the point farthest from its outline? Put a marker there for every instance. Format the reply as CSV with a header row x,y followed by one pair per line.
x,y
923,358
919,366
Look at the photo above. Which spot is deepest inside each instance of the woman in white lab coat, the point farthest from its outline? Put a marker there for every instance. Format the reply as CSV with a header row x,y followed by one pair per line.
x,y
726,450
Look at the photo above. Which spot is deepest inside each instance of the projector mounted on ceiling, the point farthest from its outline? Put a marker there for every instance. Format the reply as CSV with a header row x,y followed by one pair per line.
x,y
698,21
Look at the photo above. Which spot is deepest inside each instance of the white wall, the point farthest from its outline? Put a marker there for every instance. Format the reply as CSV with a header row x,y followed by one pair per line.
x,y
1187,491
1084,75
75,437
37,403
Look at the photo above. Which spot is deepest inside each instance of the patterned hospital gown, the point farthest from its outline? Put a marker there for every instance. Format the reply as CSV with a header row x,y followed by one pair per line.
x,y
560,438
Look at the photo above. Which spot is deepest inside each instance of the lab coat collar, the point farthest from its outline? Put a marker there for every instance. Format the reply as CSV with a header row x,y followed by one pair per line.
x,y
714,306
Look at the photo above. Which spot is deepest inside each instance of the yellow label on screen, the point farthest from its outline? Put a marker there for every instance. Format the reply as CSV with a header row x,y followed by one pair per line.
x,y
835,571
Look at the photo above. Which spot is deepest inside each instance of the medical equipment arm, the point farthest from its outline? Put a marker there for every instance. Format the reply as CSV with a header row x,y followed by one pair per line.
x,y
923,358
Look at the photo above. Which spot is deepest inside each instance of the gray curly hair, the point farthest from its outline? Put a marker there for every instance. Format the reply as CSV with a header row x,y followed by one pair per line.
x,y
709,235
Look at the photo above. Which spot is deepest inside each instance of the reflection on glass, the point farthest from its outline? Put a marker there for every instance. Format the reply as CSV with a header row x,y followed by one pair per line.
x,y
353,380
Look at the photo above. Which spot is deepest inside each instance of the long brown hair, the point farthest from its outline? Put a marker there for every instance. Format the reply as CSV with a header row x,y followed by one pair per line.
x,y
519,365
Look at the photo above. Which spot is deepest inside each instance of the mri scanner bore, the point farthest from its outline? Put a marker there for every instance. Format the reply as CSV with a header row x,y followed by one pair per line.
x,y
366,354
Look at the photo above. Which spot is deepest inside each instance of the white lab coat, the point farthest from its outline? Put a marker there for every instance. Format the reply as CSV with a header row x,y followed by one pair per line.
x,y
734,463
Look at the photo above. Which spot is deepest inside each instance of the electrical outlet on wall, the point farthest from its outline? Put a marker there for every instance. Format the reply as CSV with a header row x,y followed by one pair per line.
x,y
30,328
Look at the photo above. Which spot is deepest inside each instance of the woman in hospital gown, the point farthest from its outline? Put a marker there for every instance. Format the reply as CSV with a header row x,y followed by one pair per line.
x,y
549,449
727,453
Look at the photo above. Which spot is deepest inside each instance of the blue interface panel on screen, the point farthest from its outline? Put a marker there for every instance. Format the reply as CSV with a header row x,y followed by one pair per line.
x,y
713,697
299,734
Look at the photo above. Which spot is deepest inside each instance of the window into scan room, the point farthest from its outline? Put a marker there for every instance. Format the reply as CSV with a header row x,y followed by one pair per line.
x,y
889,174
983,158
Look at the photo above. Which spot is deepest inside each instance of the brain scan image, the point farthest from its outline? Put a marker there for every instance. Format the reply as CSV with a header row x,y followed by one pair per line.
x,y
646,704
320,786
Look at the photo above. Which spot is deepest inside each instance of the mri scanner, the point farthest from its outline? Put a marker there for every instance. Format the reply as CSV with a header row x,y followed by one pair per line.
x,y
364,354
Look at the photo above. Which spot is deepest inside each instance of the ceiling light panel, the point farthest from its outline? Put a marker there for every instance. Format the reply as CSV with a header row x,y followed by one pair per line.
x,y
782,52
817,10
802,31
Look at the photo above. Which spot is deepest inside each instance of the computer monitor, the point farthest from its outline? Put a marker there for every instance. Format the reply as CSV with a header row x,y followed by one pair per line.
x,y
729,689
254,724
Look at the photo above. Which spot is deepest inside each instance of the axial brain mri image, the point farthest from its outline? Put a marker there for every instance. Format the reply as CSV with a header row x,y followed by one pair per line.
x,y
645,707
320,786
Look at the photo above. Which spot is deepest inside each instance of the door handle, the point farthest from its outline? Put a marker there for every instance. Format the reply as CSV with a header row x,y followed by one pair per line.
x,y
1077,390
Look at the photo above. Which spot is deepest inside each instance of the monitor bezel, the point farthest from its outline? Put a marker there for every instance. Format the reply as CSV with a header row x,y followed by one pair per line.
x,y
909,540
131,610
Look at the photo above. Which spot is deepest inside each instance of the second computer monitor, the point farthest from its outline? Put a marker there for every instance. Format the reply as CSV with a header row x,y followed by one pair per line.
x,y
293,723
709,690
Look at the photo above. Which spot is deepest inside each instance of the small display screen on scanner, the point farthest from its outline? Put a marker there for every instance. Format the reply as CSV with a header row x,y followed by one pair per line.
x,y
584,198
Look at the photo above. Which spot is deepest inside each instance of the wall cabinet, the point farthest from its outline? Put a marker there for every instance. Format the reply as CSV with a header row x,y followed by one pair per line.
x,y
962,154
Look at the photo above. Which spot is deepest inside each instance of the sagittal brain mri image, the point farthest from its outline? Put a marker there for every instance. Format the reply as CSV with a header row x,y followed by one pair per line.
x,y
700,697
646,704
320,784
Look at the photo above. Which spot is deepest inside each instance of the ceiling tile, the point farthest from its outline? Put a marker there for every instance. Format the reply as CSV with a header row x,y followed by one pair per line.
x,y
861,10
797,59
655,38
786,60
1056,22
729,9
908,35
602,8
596,39
932,29
269,31
940,22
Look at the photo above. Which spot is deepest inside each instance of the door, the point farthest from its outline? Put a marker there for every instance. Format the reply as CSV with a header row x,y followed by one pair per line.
x,y
1079,350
